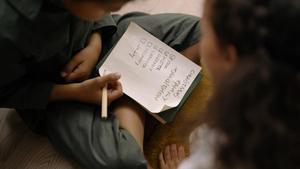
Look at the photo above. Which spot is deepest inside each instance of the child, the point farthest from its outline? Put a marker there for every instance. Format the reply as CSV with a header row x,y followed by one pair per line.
x,y
251,51
49,52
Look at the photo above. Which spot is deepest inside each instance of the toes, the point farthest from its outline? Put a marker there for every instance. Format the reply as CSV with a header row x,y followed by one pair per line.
x,y
181,153
168,158
162,162
171,157
167,154
174,154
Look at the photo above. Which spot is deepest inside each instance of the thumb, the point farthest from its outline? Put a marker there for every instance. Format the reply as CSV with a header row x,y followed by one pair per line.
x,y
108,78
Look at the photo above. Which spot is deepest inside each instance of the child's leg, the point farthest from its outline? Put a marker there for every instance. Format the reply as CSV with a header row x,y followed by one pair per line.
x,y
131,118
192,53
79,132
179,31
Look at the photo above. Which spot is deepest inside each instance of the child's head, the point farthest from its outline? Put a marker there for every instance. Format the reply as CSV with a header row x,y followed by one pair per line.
x,y
256,106
257,112
93,9
237,29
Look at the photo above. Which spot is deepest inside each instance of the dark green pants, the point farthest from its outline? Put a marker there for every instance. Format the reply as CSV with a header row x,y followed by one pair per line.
x,y
76,128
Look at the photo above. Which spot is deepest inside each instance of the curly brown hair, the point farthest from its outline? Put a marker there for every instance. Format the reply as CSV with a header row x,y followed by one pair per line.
x,y
257,109
257,105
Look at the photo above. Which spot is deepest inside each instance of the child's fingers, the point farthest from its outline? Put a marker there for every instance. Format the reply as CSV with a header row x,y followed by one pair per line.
x,y
108,79
113,85
115,93
70,67
78,74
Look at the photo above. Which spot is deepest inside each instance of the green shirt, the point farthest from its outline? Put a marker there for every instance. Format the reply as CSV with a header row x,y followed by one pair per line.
x,y
37,39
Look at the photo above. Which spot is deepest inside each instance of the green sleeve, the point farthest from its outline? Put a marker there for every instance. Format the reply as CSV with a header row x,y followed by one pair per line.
x,y
106,25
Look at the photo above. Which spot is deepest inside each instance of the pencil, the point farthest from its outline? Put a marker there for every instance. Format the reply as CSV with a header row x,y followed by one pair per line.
x,y
104,100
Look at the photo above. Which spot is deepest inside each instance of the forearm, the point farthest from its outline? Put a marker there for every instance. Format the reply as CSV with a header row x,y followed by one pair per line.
x,y
95,41
64,92
69,92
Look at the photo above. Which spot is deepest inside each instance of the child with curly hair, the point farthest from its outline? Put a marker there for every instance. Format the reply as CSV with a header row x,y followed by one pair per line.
x,y
250,49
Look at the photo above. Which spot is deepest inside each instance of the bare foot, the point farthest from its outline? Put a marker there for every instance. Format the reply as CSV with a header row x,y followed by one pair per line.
x,y
171,157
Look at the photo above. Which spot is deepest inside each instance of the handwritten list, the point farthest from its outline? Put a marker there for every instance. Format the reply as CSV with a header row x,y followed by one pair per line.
x,y
153,74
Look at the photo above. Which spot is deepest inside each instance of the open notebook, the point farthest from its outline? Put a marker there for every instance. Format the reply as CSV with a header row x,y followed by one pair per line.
x,y
153,74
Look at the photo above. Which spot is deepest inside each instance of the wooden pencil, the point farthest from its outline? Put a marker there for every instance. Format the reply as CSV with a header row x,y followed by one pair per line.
x,y
104,101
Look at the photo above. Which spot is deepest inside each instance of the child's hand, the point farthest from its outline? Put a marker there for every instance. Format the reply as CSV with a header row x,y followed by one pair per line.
x,y
90,91
81,66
